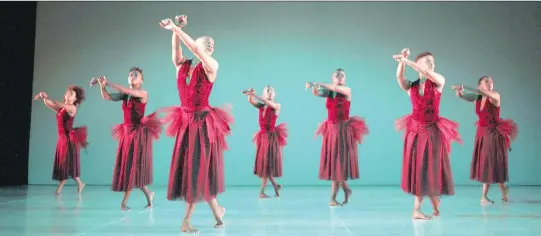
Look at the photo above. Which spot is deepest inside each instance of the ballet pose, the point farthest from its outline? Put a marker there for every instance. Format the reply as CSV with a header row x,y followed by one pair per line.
x,y
133,165
269,140
341,135
67,160
197,165
493,138
426,170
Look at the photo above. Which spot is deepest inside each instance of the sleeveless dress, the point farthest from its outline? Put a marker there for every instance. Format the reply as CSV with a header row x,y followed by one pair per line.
x,y
197,165
341,134
133,165
426,169
67,159
269,141
492,141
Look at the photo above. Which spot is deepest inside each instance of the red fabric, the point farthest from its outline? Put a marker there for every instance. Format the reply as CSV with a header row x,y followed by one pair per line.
x,y
194,94
337,107
269,141
67,163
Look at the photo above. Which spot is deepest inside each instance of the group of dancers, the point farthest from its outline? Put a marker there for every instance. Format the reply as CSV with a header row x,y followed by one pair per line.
x,y
197,165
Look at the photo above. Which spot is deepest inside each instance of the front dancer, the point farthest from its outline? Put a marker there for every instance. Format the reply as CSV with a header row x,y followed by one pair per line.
x,y
197,165
133,165
269,140
67,160
341,135
493,138
426,170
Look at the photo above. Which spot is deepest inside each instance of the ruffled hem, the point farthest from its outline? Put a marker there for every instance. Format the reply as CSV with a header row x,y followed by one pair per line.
x,y
218,121
280,131
151,123
508,128
356,129
448,128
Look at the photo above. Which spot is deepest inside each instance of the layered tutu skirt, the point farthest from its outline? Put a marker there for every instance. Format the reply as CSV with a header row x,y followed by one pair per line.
x,y
67,160
269,145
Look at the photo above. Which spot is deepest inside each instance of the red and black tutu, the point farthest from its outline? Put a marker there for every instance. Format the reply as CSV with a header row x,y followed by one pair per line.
x,y
67,159
269,145
197,165
489,161
339,157
133,166
426,169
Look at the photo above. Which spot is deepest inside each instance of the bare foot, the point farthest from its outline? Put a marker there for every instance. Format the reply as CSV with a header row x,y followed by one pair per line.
x,y
334,203
187,228
151,200
58,191
348,194
220,222
436,212
123,207
80,188
486,201
505,193
278,189
263,195
417,215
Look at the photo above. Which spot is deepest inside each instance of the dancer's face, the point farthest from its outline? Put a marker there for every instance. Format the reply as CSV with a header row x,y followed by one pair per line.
x,y
206,43
339,77
427,62
135,78
486,83
268,93
70,95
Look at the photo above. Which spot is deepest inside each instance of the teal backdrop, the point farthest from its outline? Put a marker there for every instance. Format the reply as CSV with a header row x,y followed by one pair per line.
x,y
284,44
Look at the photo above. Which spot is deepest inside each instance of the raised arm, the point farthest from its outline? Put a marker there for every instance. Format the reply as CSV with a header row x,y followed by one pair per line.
x,y
403,83
459,89
431,75
139,93
344,90
271,104
251,100
178,58
48,103
492,95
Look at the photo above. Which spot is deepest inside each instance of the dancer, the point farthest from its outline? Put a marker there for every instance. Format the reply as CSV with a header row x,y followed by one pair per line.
x,y
269,140
133,165
426,170
197,165
67,160
493,138
341,135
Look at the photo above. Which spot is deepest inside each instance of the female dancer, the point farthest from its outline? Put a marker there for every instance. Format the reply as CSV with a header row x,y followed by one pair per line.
x,y
269,140
341,134
67,163
133,165
426,169
493,138
197,165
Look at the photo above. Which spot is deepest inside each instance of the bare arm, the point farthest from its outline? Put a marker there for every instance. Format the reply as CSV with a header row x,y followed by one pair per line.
x,y
50,104
271,104
57,106
110,97
178,58
467,97
492,95
252,101
346,91
402,81
209,63
431,75
320,92
139,93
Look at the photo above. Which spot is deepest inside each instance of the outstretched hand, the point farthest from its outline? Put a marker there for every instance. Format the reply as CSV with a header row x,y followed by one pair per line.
x,y
181,20
458,87
248,91
102,81
167,24
403,56
40,95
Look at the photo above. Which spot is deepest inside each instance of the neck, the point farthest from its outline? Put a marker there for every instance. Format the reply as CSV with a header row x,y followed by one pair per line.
x,y
135,86
68,102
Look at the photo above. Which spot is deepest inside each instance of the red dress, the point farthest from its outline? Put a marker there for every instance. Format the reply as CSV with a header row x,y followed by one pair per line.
x,y
133,165
67,161
197,165
341,135
426,169
269,141
492,141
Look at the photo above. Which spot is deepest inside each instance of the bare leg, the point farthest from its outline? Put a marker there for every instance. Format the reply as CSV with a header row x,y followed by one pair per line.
x,y
347,192
123,205
435,205
417,214
277,187
484,197
263,185
334,191
186,225
505,191
60,186
218,212
80,185
149,195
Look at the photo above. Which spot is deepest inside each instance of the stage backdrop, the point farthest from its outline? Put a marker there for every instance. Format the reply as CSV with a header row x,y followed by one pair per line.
x,y
284,44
